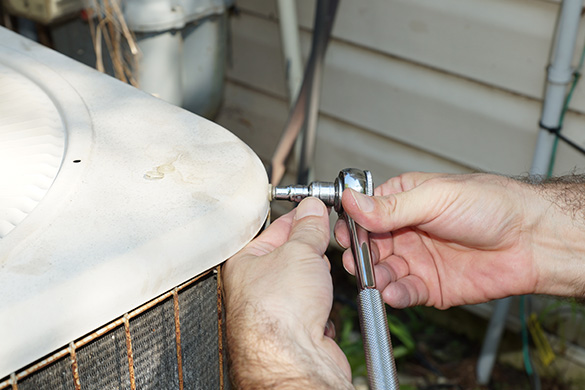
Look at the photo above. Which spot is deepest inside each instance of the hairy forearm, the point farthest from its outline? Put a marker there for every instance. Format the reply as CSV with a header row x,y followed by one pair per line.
x,y
264,354
557,207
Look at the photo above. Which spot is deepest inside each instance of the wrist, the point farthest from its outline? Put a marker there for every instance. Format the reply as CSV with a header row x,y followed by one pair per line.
x,y
268,353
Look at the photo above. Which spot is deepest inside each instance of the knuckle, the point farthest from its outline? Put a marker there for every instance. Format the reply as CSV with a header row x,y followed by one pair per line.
x,y
312,230
389,204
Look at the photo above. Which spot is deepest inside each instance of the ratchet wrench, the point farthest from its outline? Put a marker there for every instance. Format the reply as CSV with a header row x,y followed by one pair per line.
x,y
373,322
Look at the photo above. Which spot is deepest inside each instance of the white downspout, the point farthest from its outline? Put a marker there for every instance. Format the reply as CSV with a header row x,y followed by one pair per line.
x,y
560,74
291,47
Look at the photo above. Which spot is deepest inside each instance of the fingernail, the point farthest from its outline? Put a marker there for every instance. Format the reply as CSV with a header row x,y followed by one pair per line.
x,y
364,202
310,207
345,268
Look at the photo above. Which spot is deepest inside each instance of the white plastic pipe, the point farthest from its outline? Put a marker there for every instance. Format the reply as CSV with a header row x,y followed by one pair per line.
x,y
491,341
560,74
291,46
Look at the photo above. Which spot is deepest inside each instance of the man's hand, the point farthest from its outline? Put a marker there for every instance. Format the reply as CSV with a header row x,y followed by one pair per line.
x,y
279,294
446,240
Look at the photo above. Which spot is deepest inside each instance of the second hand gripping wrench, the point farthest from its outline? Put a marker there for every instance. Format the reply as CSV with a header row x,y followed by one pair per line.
x,y
373,322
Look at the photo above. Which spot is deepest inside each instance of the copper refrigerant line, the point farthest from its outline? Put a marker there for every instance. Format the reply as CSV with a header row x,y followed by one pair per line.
x,y
71,349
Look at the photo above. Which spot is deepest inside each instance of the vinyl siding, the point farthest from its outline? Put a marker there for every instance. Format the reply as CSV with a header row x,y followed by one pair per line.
x,y
449,85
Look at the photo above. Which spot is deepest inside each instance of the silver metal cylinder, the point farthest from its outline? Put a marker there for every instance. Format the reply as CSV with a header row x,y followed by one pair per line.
x,y
325,191
292,193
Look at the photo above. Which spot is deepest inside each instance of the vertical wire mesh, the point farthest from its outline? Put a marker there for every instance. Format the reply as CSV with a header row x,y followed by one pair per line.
x,y
104,364
199,335
166,344
56,376
153,345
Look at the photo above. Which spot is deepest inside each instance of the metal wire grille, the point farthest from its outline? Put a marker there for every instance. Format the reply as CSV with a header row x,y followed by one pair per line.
x,y
153,346
172,342
104,364
59,376
199,338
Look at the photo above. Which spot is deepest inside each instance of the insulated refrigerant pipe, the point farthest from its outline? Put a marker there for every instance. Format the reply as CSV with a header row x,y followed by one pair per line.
x,y
559,76
324,17
303,114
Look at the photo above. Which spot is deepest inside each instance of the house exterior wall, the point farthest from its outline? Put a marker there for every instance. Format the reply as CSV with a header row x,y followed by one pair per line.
x,y
444,85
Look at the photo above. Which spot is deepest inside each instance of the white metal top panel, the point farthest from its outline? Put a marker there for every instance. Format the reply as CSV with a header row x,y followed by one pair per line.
x,y
148,195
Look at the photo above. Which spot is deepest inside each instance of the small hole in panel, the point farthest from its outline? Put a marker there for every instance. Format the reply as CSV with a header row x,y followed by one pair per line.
x,y
76,161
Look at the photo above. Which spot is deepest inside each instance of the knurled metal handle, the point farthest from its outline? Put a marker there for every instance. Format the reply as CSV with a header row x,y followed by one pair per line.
x,y
377,344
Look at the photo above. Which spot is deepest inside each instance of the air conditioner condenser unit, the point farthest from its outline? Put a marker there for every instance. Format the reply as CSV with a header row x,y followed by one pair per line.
x,y
115,210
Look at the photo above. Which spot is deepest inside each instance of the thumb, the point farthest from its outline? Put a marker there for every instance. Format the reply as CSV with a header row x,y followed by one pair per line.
x,y
311,224
381,214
